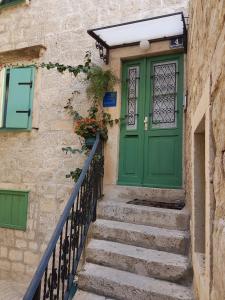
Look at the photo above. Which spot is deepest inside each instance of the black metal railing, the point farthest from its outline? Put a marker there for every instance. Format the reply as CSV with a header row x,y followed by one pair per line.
x,y
55,277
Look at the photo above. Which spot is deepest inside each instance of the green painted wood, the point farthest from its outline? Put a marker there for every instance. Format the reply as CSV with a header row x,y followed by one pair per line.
x,y
8,3
20,98
163,147
131,141
151,157
2,93
13,209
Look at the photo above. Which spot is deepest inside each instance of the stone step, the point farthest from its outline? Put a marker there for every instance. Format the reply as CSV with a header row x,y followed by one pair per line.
x,y
82,295
127,286
142,261
144,193
145,215
141,235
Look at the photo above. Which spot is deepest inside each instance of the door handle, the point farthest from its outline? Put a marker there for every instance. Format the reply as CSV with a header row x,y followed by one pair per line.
x,y
146,123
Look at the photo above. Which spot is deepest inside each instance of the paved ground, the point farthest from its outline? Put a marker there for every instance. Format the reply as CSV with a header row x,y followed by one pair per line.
x,y
10,290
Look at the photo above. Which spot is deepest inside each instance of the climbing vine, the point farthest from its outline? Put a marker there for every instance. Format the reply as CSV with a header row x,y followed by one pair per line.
x,y
98,82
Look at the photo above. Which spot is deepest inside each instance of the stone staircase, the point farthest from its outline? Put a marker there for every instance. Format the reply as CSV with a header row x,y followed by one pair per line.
x,y
137,252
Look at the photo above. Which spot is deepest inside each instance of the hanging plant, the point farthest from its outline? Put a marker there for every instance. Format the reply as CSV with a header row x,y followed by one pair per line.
x,y
96,122
99,82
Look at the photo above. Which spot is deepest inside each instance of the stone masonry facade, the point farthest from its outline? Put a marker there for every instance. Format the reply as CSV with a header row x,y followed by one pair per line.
x,y
34,160
206,88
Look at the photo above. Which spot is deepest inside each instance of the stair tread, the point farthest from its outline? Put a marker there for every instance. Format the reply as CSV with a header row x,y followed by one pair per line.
x,y
123,203
100,277
146,215
151,237
82,295
144,193
146,229
144,254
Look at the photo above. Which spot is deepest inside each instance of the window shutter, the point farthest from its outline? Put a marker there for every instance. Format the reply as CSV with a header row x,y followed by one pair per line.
x,y
6,1
10,2
19,97
13,209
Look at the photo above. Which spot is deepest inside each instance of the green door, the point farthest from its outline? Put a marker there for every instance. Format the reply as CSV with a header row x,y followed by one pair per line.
x,y
151,122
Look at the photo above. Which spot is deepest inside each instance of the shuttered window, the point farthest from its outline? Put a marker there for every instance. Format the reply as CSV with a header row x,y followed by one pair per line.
x,y
13,209
16,105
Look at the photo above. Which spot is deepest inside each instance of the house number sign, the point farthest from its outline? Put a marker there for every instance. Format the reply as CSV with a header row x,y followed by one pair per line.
x,y
177,42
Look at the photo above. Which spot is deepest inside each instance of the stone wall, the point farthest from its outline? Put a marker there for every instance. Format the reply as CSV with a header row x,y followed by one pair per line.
x,y
206,66
34,160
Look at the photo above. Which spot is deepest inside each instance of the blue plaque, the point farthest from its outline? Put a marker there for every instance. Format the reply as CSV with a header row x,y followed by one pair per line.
x,y
109,99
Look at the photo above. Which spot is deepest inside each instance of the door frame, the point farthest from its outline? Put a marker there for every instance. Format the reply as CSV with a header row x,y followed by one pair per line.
x,y
148,60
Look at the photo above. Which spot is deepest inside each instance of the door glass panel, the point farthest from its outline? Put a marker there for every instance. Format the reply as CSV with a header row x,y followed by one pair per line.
x,y
164,95
132,97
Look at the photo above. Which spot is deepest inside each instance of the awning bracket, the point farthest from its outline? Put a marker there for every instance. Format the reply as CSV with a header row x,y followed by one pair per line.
x,y
103,52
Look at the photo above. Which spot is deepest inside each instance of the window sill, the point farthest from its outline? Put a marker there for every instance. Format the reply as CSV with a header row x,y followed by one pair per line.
x,y
15,129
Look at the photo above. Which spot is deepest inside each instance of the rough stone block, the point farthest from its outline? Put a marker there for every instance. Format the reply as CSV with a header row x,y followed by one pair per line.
x,y
18,267
31,258
5,265
15,255
33,246
21,244
3,252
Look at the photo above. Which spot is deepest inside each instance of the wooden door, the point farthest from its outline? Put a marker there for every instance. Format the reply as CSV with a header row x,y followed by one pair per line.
x,y
151,125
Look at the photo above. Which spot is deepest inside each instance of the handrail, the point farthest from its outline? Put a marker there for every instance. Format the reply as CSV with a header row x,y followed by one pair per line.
x,y
70,214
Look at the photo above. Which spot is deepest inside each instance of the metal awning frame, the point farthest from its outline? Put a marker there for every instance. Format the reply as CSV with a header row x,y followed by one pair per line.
x,y
104,48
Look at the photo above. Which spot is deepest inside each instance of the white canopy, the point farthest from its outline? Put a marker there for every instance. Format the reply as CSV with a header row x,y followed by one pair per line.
x,y
161,27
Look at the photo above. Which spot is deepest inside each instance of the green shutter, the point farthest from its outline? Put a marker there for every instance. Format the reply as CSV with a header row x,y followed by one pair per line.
x,y
19,100
13,209
6,3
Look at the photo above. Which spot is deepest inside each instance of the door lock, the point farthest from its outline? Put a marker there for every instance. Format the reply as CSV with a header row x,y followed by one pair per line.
x,y
146,123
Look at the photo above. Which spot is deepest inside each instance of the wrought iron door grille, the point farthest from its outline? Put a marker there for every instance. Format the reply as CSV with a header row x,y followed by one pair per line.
x,y
133,76
164,93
